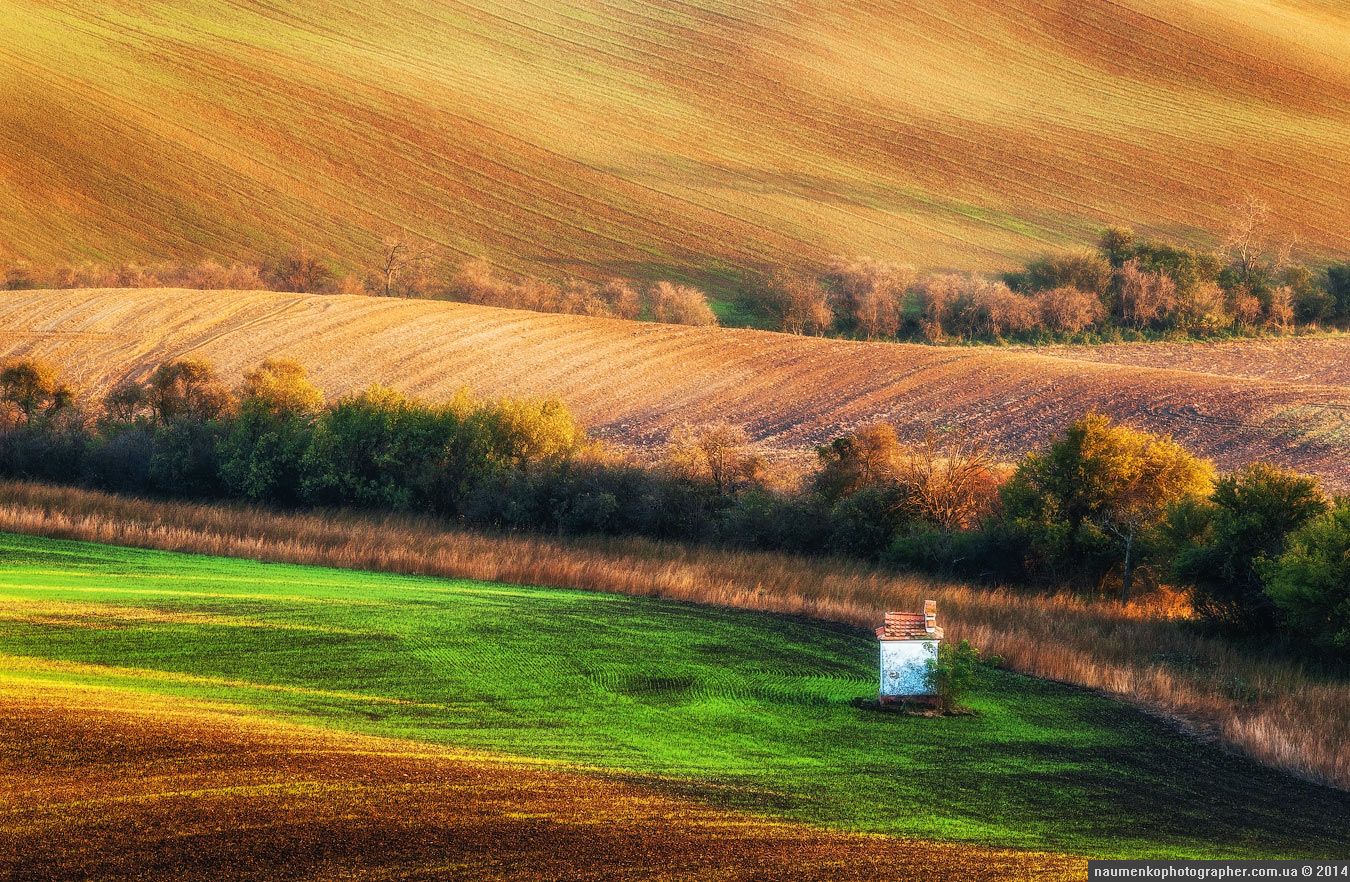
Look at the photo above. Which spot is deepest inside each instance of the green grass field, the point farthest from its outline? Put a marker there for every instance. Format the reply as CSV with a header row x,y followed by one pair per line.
x,y
740,708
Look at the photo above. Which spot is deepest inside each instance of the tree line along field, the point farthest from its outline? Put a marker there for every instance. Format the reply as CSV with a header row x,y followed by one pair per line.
x,y
691,139
632,383
649,704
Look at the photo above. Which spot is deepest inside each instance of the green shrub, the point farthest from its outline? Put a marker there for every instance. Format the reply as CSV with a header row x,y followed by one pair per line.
x,y
1338,286
1219,543
963,554
1086,272
186,459
1310,581
864,523
954,672
262,455
378,449
1093,499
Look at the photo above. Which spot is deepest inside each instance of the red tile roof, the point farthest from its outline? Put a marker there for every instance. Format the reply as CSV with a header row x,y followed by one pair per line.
x,y
907,626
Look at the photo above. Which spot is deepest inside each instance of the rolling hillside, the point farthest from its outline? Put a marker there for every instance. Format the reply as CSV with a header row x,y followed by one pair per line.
x,y
206,790
658,703
632,382
650,137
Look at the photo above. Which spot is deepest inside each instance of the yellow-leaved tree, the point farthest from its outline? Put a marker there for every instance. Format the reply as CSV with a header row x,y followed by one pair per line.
x,y
281,386
1098,491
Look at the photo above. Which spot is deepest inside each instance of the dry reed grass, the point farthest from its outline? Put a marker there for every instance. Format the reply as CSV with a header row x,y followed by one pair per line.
x,y
1276,710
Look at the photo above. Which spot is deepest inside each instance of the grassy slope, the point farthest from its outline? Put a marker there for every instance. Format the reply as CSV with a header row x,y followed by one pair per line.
x,y
664,136
123,784
745,709
633,382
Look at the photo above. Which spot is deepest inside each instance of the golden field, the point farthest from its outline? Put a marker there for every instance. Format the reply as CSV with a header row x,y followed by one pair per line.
x,y
646,137
1282,401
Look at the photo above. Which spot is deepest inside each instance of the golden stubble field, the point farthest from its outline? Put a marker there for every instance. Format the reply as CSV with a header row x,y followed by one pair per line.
x,y
665,136
1282,401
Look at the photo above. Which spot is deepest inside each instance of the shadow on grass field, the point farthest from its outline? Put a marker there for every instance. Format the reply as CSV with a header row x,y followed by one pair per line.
x,y
724,707
119,784
1285,713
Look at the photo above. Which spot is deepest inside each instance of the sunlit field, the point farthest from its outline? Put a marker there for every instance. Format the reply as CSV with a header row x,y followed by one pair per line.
x,y
122,783
1273,708
693,140
746,710
632,383
479,439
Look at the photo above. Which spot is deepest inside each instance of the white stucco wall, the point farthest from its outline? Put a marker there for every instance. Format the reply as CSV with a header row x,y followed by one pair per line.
x,y
904,667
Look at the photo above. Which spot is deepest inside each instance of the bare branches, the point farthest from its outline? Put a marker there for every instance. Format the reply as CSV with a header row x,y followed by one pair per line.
x,y
719,453
951,480
404,264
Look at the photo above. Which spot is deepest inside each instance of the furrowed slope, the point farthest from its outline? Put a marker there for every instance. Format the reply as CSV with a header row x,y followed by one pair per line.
x,y
1323,360
656,136
632,382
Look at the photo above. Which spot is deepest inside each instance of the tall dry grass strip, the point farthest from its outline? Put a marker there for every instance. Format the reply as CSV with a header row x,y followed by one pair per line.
x,y
1276,710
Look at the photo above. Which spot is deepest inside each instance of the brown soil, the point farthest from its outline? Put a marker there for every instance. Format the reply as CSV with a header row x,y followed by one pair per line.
x,y
632,382
116,785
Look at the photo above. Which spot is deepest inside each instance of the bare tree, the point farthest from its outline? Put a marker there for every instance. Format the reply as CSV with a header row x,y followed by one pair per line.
x,y
949,480
1280,308
1246,242
799,303
1069,310
933,297
1254,255
403,259
1145,298
623,299
871,293
981,308
719,453
851,462
1202,308
298,271
681,305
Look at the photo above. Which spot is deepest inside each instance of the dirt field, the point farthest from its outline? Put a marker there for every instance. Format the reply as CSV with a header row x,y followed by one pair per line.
x,y
649,137
632,382
1322,360
112,784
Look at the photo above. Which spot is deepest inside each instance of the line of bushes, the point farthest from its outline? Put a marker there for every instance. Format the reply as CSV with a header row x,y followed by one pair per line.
x,y
1104,507
403,272
1127,288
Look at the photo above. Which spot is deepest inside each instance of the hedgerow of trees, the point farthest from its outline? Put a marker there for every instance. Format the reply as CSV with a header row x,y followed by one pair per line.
x,y
1126,288
1103,508
403,269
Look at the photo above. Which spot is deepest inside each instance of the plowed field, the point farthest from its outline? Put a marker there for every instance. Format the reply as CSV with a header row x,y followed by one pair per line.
x,y
632,382
660,136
